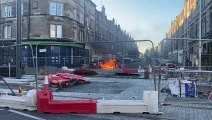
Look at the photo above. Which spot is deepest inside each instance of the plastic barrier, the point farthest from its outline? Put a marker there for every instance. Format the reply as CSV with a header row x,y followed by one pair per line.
x,y
130,71
148,105
150,98
121,106
46,104
27,102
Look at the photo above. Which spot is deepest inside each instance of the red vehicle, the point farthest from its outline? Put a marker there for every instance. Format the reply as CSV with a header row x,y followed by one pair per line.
x,y
171,64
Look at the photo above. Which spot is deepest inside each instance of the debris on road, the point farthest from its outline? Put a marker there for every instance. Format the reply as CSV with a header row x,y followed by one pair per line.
x,y
65,79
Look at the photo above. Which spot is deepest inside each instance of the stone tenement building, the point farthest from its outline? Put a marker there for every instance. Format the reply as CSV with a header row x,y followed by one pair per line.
x,y
60,28
186,25
107,30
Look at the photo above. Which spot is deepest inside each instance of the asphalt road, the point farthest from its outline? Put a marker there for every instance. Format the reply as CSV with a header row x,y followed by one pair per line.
x,y
120,88
110,88
7,114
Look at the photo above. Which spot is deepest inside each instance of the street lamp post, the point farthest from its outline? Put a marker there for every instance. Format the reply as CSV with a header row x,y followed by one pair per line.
x,y
36,66
18,40
200,34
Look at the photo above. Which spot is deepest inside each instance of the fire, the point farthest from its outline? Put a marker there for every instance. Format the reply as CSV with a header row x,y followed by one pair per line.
x,y
110,65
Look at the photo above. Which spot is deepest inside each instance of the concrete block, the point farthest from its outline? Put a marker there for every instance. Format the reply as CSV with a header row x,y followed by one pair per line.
x,y
121,106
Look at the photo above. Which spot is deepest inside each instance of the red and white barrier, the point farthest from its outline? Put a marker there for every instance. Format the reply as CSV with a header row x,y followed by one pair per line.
x,y
46,104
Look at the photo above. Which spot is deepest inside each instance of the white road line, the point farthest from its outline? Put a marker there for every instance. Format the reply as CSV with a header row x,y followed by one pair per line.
x,y
1,109
26,115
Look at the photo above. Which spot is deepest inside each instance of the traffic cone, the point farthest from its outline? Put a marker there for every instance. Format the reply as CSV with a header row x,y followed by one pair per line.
x,y
46,84
20,91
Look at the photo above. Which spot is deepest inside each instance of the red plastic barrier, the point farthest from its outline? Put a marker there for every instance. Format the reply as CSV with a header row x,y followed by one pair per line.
x,y
159,69
130,71
46,104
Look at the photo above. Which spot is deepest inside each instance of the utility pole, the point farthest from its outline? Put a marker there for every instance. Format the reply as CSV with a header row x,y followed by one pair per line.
x,y
200,33
18,40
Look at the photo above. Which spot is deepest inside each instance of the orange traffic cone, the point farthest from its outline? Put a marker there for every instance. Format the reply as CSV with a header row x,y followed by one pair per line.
x,y
46,84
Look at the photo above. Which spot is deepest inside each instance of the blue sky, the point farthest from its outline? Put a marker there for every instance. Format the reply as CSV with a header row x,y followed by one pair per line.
x,y
143,19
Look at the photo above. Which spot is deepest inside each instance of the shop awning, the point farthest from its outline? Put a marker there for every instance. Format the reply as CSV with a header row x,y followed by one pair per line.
x,y
52,43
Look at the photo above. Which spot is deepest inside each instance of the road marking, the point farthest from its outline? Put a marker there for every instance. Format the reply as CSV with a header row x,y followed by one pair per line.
x,y
26,115
1,109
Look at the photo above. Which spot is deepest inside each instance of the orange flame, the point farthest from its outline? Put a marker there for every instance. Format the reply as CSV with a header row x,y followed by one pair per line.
x,y
110,65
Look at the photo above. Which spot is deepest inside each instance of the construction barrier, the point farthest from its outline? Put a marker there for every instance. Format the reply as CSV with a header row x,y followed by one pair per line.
x,y
46,104
27,102
130,71
121,106
148,105
142,72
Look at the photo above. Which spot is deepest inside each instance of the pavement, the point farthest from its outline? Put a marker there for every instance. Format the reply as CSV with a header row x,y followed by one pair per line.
x,y
187,109
123,89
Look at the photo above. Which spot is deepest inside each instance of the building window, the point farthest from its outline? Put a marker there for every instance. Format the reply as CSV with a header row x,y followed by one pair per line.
x,y
75,33
203,25
75,14
22,9
210,22
7,31
81,36
56,31
7,11
81,18
87,21
56,9
34,4
197,31
203,4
